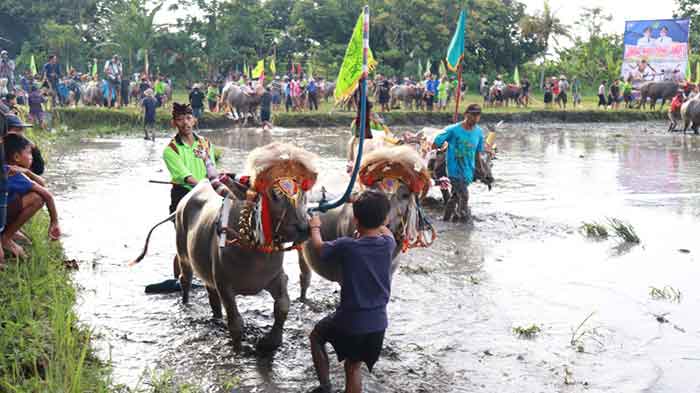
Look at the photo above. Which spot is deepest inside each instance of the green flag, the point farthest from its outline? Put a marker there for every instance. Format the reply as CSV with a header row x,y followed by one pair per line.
x,y
245,68
455,52
420,70
697,73
351,70
273,67
516,76
94,67
259,69
688,71
32,65
428,66
311,70
442,70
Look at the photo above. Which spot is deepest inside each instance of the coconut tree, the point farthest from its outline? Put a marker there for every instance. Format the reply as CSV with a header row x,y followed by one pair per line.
x,y
547,28
132,26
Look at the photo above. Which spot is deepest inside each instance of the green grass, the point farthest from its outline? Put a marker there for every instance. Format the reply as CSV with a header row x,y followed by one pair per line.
x,y
527,331
43,347
623,230
594,230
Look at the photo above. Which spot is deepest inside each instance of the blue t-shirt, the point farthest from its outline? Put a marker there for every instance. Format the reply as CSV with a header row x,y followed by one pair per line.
x,y
366,272
149,106
311,87
461,151
18,185
52,71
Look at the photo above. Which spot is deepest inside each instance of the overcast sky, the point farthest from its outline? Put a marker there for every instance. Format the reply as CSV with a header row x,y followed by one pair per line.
x,y
567,10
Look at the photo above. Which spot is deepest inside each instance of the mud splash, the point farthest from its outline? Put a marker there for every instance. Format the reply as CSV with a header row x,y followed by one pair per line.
x,y
453,306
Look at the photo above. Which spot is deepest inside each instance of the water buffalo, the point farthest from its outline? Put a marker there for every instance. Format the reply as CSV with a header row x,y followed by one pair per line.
x,y
91,93
402,94
243,254
690,112
244,103
657,90
400,173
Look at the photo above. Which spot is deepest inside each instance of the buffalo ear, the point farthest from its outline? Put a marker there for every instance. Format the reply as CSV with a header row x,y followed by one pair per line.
x,y
238,190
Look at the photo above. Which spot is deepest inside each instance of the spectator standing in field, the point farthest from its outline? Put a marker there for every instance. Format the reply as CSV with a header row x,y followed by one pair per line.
x,y
159,89
627,92
212,97
51,73
36,107
576,92
556,91
197,103
312,90
614,96
563,89
526,91
266,109
601,95
442,93
484,87
7,69
548,93
149,105
113,75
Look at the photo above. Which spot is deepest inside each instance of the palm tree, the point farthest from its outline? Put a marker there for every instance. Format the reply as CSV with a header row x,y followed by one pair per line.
x,y
547,28
133,27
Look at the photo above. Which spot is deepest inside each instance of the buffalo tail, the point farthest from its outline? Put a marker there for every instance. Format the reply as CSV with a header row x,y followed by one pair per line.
x,y
148,239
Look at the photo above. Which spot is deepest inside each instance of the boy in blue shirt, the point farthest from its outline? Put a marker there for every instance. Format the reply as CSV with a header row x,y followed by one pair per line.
x,y
463,140
356,329
26,193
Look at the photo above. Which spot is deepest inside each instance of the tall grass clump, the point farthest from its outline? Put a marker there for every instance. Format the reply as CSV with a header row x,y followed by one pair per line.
x,y
43,348
624,230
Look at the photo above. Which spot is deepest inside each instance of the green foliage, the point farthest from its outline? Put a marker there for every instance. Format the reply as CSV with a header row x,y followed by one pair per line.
x,y
690,9
594,230
528,332
666,293
42,346
624,230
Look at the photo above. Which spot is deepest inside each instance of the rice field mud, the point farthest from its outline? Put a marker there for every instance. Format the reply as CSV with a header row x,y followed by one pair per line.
x,y
520,301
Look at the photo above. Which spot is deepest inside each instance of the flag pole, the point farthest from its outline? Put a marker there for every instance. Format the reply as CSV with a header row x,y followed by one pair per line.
x,y
459,91
324,206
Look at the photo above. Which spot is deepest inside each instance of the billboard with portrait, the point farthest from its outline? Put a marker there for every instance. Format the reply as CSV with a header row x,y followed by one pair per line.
x,y
655,50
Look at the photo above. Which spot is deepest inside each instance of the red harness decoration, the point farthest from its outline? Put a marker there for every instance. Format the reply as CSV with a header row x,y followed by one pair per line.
x,y
266,219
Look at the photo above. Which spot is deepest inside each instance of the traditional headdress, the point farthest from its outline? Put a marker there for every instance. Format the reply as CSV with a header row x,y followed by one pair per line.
x,y
181,109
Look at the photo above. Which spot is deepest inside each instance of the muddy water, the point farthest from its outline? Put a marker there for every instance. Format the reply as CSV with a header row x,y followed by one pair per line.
x,y
453,306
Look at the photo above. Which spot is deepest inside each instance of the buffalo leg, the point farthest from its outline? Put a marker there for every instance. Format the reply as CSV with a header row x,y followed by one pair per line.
x,y
235,322
304,276
214,302
278,290
185,281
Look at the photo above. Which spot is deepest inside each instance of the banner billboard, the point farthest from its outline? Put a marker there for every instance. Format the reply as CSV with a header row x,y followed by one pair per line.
x,y
655,50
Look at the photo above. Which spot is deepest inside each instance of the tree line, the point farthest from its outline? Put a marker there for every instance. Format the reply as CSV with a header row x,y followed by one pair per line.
x,y
406,36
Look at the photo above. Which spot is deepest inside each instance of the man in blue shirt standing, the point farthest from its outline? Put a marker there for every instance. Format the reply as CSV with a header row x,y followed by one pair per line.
x,y
356,329
52,73
312,89
464,140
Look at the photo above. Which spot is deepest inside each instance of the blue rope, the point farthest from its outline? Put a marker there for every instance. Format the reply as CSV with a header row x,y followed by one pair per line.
x,y
325,206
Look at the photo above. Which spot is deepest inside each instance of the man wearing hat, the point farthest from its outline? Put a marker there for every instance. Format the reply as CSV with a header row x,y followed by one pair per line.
x,y
113,72
7,69
16,126
182,158
197,102
464,140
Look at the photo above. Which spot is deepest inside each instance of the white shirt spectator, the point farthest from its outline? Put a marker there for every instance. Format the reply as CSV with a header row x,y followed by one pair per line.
x,y
601,90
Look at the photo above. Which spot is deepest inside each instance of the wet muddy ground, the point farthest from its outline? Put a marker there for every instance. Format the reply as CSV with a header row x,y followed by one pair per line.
x,y
453,306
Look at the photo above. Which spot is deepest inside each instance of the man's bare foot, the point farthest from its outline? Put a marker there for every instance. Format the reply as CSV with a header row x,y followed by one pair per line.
x,y
14,248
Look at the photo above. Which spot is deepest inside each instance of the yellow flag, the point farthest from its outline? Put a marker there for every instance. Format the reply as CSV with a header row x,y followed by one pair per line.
x,y
259,69
273,68
351,70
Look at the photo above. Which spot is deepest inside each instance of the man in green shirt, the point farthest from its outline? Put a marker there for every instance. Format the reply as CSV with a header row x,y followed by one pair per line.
x,y
180,156
159,89
627,92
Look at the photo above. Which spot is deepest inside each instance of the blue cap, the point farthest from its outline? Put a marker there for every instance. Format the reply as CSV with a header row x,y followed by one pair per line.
x,y
16,122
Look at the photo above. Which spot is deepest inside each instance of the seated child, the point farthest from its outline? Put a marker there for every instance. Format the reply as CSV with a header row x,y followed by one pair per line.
x,y
26,193
356,329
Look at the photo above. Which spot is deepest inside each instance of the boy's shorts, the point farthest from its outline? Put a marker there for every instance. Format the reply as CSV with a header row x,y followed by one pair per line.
x,y
358,348
14,208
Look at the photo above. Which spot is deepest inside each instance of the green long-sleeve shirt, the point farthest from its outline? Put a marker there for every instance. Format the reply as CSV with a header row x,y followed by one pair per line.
x,y
181,160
